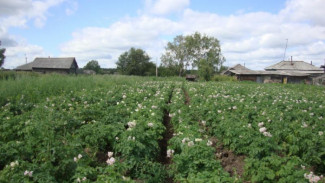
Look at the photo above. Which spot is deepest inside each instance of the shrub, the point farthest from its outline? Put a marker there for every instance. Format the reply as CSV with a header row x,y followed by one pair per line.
x,y
223,78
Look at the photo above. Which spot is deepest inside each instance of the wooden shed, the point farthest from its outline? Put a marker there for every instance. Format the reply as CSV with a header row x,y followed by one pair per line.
x,y
191,77
238,67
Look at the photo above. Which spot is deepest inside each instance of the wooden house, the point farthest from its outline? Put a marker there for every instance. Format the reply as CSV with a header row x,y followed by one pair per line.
x,y
296,66
282,72
67,65
272,76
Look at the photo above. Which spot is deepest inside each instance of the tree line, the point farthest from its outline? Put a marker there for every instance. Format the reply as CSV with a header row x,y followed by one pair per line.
x,y
191,54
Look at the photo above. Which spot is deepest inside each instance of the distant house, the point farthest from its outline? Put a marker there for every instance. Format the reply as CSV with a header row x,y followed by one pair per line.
x,y
282,72
66,65
88,72
234,69
273,76
296,66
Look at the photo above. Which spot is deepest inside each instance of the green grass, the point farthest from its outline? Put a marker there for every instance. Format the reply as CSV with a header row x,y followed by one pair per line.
x,y
34,88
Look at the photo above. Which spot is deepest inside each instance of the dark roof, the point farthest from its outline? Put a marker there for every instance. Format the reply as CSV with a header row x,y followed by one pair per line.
x,y
237,67
49,63
293,65
25,67
54,63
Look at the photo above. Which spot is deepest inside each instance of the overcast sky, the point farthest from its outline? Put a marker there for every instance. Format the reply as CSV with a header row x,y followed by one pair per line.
x,y
253,32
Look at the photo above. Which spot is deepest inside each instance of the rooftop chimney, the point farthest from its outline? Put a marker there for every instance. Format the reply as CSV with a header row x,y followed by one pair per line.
x,y
291,61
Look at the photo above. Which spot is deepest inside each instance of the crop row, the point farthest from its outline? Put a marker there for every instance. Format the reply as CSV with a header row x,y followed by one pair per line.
x,y
137,146
67,137
157,131
278,129
191,152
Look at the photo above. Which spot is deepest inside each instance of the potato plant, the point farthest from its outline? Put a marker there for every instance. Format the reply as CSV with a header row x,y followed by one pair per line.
x,y
135,129
278,128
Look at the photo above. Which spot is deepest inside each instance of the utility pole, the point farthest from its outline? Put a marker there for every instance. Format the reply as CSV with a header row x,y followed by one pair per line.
x,y
285,50
156,68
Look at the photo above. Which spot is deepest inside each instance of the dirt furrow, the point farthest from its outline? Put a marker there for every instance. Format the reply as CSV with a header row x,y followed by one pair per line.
x,y
232,163
163,143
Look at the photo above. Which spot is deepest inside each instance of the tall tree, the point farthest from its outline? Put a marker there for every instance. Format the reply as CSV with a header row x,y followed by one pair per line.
x,y
190,50
135,62
2,56
204,47
93,65
205,70
176,54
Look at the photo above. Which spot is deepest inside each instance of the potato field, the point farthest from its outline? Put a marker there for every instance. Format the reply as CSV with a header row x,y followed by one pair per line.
x,y
135,129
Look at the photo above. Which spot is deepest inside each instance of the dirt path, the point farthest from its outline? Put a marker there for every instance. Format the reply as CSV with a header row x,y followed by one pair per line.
x,y
163,143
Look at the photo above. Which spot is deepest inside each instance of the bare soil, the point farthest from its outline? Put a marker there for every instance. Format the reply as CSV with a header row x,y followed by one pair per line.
x,y
232,163
100,155
163,143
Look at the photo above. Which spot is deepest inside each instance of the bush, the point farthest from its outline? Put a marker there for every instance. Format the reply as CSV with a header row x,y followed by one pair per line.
x,y
223,78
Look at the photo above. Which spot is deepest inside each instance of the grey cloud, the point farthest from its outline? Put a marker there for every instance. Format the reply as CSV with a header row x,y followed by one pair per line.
x,y
8,42
12,7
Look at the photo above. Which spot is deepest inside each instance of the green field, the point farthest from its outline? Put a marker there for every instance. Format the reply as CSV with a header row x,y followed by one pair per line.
x,y
57,128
